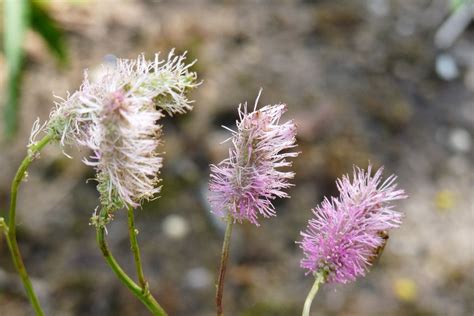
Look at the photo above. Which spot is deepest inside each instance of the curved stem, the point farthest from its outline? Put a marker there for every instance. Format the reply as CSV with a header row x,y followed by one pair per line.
x,y
33,152
144,296
10,233
223,266
133,232
319,279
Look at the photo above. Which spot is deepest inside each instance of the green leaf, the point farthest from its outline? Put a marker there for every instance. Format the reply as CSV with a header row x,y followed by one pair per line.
x,y
46,26
16,20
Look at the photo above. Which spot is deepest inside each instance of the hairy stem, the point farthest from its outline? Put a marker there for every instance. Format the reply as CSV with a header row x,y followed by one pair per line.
x,y
223,265
132,231
144,296
319,279
10,229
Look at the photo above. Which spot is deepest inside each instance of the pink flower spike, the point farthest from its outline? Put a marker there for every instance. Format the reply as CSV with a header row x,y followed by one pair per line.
x,y
245,184
348,233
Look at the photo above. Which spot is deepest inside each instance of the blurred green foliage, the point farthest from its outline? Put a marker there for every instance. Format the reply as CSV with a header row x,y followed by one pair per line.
x,y
16,18
42,23
456,4
19,15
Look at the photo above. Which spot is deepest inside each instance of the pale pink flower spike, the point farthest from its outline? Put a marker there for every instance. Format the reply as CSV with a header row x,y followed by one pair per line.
x,y
117,116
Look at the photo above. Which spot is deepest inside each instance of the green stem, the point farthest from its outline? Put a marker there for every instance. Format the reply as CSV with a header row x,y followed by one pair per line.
x,y
133,232
33,152
319,279
10,233
223,266
144,296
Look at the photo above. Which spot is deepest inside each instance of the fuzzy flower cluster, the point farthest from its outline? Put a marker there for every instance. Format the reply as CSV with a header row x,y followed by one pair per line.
x,y
244,184
116,116
162,83
348,233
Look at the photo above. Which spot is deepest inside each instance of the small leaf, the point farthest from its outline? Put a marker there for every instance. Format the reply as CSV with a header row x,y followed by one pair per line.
x,y
16,20
48,28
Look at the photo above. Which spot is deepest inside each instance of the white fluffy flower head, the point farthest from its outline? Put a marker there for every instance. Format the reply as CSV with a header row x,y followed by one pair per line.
x,y
117,117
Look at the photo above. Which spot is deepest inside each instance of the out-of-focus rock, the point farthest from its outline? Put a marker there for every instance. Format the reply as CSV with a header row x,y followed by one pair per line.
x,y
198,278
460,140
175,227
446,67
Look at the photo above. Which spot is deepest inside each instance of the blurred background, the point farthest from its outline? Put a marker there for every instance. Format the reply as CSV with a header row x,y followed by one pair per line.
x,y
385,81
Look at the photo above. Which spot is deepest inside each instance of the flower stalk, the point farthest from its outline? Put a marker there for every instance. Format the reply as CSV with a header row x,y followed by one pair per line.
x,y
223,265
140,292
319,279
133,232
10,229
